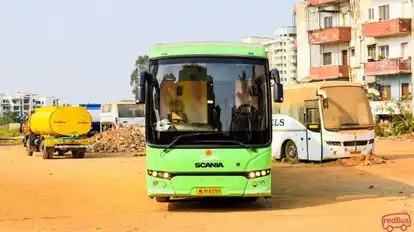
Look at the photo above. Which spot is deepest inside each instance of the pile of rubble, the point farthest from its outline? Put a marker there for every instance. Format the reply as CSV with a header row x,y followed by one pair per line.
x,y
127,139
362,160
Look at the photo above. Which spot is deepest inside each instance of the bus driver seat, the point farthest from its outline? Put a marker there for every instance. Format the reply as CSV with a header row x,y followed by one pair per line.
x,y
177,112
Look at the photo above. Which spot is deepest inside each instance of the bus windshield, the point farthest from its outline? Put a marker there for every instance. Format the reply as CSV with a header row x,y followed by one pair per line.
x,y
348,108
207,94
130,110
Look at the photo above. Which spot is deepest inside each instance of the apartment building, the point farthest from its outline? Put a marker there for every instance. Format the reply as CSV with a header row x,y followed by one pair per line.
x,y
358,40
387,35
281,52
324,34
20,103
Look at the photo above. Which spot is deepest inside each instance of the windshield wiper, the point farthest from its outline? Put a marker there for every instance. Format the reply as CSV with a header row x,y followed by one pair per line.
x,y
187,136
349,124
231,141
354,126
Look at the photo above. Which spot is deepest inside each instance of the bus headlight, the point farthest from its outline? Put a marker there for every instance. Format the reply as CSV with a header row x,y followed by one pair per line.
x,y
258,173
159,174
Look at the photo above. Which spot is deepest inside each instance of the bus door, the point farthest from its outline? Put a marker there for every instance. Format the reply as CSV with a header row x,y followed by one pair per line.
x,y
313,132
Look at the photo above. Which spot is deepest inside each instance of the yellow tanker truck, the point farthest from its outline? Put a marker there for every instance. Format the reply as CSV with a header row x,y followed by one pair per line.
x,y
59,129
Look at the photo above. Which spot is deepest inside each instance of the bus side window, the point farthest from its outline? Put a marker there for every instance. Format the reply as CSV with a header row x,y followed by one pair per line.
x,y
312,116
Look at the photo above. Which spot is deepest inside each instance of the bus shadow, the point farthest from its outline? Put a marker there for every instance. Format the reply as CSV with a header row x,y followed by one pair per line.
x,y
301,186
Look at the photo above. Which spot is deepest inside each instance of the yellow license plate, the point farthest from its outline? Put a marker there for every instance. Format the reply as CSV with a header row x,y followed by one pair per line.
x,y
208,191
356,152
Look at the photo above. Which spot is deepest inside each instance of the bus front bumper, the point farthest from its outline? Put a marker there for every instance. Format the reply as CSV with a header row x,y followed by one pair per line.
x,y
209,186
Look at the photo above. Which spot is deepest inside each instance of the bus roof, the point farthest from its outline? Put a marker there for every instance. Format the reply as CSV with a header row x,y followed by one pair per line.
x,y
297,93
160,50
321,84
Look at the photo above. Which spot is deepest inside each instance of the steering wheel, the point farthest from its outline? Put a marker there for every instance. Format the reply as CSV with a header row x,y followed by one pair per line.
x,y
247,111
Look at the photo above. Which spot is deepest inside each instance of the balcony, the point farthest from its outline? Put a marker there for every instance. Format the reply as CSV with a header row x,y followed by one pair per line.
x,y
330,35
323,2
329,72
387,28
387,67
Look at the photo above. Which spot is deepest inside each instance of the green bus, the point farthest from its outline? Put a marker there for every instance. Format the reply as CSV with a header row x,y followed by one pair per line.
x,y
208,120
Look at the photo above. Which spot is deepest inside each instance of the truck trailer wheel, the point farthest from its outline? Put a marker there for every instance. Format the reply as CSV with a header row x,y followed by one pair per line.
x,y
28,148
47,153
78,154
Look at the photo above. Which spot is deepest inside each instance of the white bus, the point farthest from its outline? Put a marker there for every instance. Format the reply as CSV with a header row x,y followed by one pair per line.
x,y
119,114
321,121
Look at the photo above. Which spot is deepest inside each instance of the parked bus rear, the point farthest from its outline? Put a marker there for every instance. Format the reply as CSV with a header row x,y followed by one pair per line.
x,y
208,120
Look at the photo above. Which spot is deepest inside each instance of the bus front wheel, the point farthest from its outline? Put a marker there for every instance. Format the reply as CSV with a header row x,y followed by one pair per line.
x,y
291,151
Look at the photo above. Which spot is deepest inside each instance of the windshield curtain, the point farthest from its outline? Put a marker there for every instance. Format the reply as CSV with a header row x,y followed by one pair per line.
x,y
208,94
130,111
348,108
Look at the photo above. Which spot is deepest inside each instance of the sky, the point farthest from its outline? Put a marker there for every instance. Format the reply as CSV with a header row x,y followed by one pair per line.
x,y
83,51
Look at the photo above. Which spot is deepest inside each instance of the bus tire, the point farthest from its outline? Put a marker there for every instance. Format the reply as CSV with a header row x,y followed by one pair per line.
x,y
162,199
291,151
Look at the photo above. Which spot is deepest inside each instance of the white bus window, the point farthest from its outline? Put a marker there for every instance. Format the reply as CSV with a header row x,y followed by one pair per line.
x,y
312,116
130,111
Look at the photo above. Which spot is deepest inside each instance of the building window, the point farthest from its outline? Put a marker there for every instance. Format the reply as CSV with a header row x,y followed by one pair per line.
x,y
327,21
327,58
371,13
352,51
404,50
384,12
383,51
386,92
405,91
371,51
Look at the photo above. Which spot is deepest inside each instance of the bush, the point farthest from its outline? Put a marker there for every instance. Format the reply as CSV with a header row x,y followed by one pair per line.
x,y
401,119
5,132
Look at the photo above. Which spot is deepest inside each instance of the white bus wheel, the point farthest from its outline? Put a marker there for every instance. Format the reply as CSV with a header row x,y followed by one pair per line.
x,y
291,151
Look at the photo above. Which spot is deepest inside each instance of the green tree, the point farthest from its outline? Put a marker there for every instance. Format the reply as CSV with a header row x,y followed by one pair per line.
x,y
7,118
141,64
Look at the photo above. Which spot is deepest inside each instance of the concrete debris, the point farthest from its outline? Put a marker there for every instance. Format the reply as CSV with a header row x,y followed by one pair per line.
x,y
362,160
126,139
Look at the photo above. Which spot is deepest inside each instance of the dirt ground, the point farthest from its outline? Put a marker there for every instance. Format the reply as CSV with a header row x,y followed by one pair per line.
x,y
106,193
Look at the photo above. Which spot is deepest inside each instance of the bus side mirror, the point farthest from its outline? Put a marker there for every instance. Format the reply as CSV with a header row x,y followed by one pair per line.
x,y
140,89
278,86
325,103
323,94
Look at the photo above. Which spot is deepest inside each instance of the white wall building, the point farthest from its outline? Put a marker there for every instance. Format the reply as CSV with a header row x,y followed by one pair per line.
x,y
281,52
367,41
387,34
20,103
324,34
